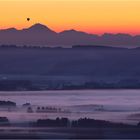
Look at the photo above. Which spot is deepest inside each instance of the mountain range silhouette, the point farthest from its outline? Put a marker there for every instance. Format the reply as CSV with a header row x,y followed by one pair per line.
x,y
39,34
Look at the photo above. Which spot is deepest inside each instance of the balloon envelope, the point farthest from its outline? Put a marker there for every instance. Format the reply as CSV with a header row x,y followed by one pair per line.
x,y
28,19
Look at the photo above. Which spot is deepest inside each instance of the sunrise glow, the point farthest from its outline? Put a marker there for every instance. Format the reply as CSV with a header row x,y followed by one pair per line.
x,y
92,16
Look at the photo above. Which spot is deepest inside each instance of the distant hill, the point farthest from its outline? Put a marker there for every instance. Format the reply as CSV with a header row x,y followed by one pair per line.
x,y
98,47
39,34
93,61
82,66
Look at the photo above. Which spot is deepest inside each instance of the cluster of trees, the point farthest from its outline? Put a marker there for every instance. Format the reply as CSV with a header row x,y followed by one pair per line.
x,y
122,84
14,85
58,122
8,85
4,121
80,123
28,47
86,122
7,103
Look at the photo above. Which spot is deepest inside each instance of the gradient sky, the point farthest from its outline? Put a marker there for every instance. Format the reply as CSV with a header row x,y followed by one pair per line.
x,y
92,16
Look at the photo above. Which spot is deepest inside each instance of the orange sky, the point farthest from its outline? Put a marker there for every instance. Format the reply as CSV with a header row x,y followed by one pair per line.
x,y
93,16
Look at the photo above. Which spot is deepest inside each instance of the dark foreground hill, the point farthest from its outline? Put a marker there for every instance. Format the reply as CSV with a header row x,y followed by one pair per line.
x,y
104,62
71,66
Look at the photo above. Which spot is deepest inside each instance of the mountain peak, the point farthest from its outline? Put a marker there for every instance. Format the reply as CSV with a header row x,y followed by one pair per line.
x,y
70,31
39,27
9,29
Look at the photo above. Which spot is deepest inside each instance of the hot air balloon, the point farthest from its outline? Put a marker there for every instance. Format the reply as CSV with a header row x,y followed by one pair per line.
x,y
28,19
